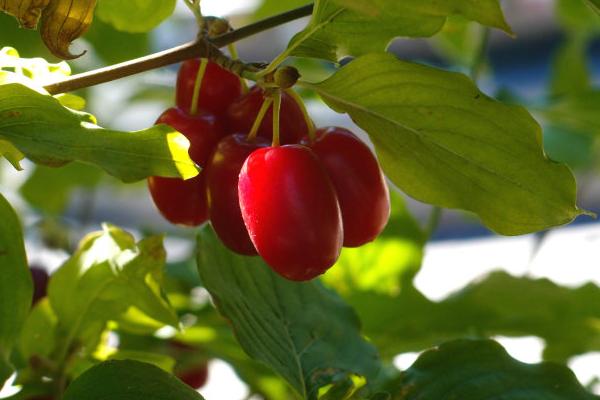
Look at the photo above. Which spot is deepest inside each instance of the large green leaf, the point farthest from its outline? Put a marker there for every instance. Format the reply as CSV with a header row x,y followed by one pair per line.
x,y
594,4
500,304
337,30
16,287
108,274
271,7
48,133
442,141
570,72
575,16
483,370
135,15
301,330
131,380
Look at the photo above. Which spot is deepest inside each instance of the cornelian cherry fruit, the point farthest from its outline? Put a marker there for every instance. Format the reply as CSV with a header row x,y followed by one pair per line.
x,y
359,183
222,175
290,210
181,201
218,90
243,112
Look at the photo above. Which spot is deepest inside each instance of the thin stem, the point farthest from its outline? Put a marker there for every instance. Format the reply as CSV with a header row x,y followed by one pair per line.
x,y
194,6
233,52
198,48
259,118
309,122
198,86
276,115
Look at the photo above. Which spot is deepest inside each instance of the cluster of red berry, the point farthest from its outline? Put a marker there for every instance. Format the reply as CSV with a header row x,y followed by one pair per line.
x,y
294,204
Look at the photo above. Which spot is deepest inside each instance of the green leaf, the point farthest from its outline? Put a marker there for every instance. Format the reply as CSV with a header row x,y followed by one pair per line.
x,y
108,274
500,304
442,141
576,17
135,15
460,40
577,111
104,36
49,189
301,330
39,332
336,30
50,134
269,8
131,380
36,69
569,146
483,370
12,154
16,287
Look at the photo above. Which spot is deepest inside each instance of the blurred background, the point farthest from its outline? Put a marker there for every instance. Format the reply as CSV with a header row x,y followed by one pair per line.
x,y
556,50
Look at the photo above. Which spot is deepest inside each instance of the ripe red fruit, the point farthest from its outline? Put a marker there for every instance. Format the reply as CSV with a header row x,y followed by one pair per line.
x,y
180,202
222,175
291,211
40,283
219,87
203,130
184,202
242,113
359,183
195,376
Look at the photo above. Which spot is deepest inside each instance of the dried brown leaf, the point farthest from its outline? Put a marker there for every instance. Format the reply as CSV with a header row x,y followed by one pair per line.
x,y
28,12
63,21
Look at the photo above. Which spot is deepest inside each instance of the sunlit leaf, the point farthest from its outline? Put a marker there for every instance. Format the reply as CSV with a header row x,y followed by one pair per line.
x,y
50,134
442,141
135,16
336,30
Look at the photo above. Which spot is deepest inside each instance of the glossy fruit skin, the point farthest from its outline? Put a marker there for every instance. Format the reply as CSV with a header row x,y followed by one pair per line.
x,y
219,87
40,283
222,175
184,202
291,211
180,202
195,376
359,183
203,130
242,113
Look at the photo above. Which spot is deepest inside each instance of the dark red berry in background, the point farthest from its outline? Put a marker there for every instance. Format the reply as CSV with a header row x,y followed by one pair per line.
x,y
202,130
222,175
243,112
359,183
40,283
180,202
291,211
219,87
195,376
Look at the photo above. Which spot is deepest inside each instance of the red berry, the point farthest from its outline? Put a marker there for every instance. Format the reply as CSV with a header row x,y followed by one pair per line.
x,y
219,87
242,113
359,183
180,202
291,211
222,175
184,202
195,376
202,130
40,283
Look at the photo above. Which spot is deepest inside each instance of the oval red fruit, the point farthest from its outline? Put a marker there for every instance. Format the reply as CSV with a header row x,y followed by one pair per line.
x,y
359,183
222,175
291,211
180,202
195,376
242,113
219,87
